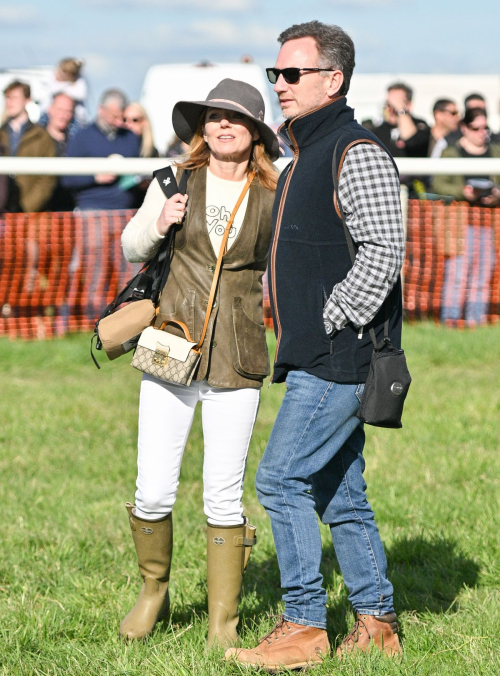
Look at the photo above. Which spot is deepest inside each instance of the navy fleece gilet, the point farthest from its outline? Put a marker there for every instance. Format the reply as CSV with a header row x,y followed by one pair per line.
x,y
309,256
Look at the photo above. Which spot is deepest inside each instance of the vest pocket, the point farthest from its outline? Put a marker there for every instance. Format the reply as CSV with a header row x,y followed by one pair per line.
x,y
249,348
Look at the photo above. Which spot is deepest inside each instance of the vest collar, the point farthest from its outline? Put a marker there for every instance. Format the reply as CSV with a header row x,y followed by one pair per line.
x,y
312,126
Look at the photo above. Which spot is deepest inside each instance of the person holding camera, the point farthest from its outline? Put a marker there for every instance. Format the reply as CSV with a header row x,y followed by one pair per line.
x,y
402,134
230,159
466,287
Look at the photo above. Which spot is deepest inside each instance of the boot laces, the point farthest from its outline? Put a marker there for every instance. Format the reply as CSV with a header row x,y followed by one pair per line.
x,y
353,635
274,633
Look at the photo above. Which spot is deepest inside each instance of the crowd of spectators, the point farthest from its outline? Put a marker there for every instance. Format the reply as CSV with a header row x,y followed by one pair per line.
x,y
469,265
408,136
123,128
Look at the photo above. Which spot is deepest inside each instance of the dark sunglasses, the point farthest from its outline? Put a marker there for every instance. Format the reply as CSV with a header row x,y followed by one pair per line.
x,y
132,119
478,128
290,75
451,112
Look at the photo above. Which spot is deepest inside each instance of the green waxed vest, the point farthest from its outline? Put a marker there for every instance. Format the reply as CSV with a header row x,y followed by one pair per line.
x,y
234,353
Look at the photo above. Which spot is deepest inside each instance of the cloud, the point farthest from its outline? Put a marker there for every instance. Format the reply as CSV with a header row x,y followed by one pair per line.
x,y
206,5
18,15
97,64
220,33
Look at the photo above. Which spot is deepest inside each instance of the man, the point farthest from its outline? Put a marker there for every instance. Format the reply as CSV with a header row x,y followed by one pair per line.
x,y
446,121
105,137
403,134
323,307
21,138
59,117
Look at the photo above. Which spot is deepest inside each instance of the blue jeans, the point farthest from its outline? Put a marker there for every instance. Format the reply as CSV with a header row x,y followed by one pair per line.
x,y
313,464
467,278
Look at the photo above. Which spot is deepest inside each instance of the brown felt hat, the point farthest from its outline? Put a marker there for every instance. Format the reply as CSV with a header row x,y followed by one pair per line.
x,y
228,95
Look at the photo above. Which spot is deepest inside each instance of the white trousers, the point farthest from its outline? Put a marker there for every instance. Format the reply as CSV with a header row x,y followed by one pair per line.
x,y
165,415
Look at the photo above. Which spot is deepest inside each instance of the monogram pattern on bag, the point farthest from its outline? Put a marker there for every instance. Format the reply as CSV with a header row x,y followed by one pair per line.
x,y
174,371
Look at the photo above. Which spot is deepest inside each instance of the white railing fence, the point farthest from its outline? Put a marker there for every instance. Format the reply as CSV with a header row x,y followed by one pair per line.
x,y
121,166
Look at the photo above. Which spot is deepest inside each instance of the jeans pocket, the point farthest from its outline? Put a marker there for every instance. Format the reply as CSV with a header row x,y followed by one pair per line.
x,y
359,391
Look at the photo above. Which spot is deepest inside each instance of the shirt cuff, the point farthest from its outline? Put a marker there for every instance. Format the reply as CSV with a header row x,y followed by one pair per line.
x,y
333,317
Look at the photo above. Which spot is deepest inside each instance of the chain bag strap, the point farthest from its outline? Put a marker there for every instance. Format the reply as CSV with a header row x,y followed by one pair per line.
x,y
173,358
388,379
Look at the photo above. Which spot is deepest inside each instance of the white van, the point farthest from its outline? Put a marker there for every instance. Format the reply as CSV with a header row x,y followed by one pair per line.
x,y
164,85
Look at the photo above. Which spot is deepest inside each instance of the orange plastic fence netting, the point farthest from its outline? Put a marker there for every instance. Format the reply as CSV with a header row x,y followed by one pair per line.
x,y
452,266
59,270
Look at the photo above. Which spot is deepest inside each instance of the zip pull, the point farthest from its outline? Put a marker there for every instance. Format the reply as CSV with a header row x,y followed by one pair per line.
x,y
360,334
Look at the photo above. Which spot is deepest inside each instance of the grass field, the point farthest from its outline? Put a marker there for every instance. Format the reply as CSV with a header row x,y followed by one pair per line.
x,y
67,566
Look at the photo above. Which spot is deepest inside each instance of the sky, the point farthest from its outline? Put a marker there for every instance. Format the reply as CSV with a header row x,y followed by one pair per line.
x,y
120,39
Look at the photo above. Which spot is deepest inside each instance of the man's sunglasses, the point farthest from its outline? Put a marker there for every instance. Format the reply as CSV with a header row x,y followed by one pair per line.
x,y
290,75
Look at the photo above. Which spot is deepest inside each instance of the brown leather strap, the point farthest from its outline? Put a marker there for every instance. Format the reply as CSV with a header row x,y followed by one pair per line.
x,y
219,259
182,326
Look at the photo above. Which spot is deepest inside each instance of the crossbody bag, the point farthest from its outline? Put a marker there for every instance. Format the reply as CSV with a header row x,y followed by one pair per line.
x,y
388,379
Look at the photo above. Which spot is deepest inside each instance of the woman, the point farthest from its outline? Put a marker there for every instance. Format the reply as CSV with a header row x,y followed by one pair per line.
x,y
466,287
136,120
229,146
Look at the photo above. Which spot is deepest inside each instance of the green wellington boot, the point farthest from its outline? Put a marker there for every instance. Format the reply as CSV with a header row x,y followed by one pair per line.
x,y
153,544
228,551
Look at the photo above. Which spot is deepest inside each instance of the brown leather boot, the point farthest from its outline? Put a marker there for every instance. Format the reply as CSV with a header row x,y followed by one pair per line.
x,y
153,543
288,645
228,551
370,630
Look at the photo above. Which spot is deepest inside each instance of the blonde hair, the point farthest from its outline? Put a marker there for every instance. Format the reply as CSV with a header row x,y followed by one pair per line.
x,y
198,156
70,68
147,144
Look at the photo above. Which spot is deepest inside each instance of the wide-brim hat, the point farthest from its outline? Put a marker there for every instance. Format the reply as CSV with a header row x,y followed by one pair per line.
x,y
228,95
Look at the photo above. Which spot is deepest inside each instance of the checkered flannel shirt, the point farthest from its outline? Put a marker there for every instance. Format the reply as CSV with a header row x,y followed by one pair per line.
x,y
369,193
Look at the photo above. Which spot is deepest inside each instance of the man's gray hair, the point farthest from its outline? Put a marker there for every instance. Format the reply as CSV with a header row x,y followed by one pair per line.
x,y
114,95
335,47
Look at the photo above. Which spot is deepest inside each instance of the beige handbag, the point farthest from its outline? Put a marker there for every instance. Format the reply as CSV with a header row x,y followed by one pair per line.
x,y
118,331
165,356
173,358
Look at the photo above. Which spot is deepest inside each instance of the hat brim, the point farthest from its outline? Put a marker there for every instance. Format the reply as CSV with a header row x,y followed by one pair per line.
x,y
186,115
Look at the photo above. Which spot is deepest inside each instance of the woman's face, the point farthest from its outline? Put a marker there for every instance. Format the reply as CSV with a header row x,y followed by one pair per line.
x,y
228,133
133,120
477,131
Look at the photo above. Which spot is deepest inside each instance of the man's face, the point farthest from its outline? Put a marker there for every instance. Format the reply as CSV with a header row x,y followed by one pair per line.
x,y
61,112
448,118
111,114
475,103
396,100
15,102
313,89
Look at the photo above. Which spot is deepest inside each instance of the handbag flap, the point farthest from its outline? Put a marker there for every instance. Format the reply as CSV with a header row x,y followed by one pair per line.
x,y
154,339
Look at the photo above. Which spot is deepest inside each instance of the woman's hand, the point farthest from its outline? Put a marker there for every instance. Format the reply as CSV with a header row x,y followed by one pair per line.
x,y
173,211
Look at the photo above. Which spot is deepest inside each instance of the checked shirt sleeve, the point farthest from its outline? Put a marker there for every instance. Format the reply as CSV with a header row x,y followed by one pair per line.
x,y
370,196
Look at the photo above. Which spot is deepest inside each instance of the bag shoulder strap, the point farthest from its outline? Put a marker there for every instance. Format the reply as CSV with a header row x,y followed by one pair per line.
x,y
336,171
222,251
168,182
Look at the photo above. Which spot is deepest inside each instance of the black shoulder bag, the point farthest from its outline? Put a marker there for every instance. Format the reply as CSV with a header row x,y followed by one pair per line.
x,y
119,326
388,379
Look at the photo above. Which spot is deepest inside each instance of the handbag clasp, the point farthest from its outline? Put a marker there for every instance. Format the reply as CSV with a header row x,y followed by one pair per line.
x,y
160,357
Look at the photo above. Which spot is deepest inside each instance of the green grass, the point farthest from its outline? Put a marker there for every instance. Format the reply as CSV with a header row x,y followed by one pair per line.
x,y
67,566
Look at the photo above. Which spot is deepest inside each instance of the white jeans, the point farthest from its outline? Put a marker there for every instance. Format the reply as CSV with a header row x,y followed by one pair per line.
x,y
165,415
